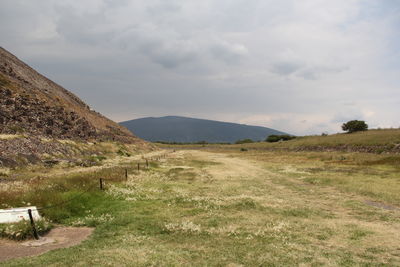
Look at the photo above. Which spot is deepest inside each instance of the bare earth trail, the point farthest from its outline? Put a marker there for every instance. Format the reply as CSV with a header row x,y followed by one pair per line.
x,y
201,208
61,237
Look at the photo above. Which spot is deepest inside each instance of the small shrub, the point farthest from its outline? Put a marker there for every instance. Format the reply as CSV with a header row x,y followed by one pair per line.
x,y
98,158
123,153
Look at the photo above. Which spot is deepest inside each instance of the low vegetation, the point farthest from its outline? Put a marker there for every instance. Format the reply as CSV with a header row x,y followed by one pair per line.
x,y
23,230
227,207
277,138
244,141
372,141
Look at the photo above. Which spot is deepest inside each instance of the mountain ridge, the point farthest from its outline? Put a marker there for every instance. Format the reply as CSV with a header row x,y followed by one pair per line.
x,y
187,130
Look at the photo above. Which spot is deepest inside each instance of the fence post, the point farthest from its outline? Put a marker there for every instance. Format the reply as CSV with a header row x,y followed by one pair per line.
x,y
138,166
101,183
35,234
147,163
126,174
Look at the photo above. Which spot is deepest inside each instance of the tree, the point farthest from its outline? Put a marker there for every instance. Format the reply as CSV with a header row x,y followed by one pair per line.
x,y
354,126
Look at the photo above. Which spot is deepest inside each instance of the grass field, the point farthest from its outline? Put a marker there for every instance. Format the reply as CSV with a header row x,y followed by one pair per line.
x,y
237,208
372,141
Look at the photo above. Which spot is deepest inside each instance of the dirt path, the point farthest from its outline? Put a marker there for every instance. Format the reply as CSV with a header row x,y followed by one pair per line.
x,y
61,237
283,190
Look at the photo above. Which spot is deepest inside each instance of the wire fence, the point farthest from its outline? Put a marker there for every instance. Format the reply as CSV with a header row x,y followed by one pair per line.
x,y
99,185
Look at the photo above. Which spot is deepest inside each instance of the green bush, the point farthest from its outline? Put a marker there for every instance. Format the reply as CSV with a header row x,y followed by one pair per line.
x,y
276,138
272,139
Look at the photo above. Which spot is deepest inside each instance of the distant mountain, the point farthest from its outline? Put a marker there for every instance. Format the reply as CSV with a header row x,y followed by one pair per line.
x,y
188,130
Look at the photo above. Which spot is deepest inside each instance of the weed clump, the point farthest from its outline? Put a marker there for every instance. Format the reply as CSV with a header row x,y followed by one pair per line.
x,y
244,141
93,220
123,153
23,229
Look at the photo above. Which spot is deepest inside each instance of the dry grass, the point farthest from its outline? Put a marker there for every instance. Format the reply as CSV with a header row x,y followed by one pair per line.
x,y
256,208
377,141
10,136
367,138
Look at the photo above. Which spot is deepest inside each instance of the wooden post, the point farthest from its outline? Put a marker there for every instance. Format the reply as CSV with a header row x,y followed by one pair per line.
x,y
35,234
147,163
138,166
101,183
126,174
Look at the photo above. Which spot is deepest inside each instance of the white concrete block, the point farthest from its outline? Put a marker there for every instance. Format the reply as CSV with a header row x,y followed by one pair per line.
x,y
18,214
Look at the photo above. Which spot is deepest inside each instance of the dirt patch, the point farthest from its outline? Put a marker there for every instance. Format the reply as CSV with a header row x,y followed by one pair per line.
x,y
380,205
62,237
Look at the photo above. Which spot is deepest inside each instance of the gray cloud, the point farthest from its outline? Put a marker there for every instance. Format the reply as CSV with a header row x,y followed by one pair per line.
x,y
344,117
228,53
163,8
286,68
290,65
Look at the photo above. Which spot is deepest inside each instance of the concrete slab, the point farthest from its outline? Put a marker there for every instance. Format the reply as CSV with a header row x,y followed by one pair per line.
x,y
18,214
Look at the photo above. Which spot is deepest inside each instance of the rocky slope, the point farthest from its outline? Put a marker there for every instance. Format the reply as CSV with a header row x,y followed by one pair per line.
x,y
32,104
38,113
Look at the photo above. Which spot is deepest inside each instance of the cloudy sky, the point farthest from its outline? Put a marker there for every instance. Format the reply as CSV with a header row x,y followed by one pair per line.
x,y
303,67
